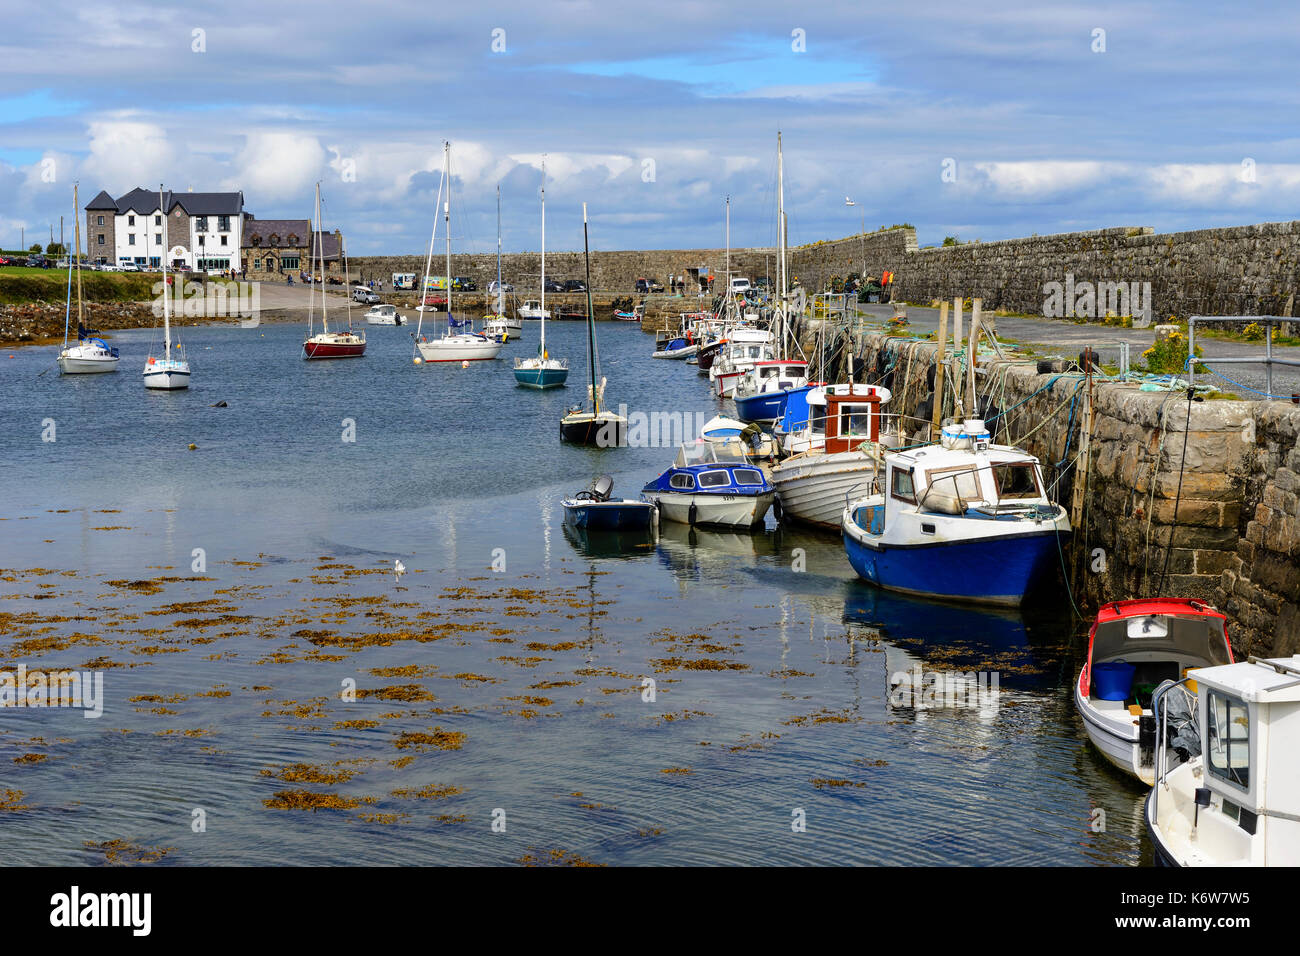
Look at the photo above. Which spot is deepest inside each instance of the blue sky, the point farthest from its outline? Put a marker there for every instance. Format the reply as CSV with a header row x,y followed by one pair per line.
x,y
1176,115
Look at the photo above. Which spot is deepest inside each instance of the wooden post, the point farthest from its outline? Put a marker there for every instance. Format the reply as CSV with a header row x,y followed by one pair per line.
x,y
957,343
1085,456
940,358
971,351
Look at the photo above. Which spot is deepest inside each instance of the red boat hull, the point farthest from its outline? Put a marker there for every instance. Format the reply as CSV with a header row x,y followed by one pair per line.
x,y
324,350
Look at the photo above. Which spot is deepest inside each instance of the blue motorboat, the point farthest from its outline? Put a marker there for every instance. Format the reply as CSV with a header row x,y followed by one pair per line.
x,y
593,509
963,519
710,484
762,393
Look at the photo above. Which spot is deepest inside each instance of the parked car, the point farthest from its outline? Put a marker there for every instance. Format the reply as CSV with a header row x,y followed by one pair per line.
x,y
553,285
364,296
575,285
763,284
463,284
495,286
38,262
436,300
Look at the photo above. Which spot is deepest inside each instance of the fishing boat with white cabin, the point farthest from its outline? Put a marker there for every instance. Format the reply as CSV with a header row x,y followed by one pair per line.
x,y
1236,801
712,485
964,520
383,314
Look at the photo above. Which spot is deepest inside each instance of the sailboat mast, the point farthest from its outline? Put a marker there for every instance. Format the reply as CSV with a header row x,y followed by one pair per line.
x,y
76,202
542,347
728,300
501,293
591,325
320,246
67,308
428,260
780,239
167,312
446,153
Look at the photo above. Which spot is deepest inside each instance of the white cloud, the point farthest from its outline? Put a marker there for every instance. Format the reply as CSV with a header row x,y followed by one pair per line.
x,y
125,153
276,166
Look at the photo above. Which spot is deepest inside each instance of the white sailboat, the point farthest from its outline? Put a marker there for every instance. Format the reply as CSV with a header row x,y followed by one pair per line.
x,y
166,373
89,355
542,371
458,343
499,323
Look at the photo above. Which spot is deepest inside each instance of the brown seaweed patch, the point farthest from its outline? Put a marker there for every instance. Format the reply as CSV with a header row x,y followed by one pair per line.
x,y
431,792
823,783
438,740
309,773
555,858
309,800
355,724
407,693
31,758
11,800
124,853
407,670
699,664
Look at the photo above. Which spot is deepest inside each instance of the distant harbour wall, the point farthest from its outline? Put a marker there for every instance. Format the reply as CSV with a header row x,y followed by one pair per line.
x,y
1219,521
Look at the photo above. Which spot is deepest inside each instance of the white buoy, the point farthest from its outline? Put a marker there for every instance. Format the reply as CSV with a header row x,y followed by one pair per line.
x,y
465,364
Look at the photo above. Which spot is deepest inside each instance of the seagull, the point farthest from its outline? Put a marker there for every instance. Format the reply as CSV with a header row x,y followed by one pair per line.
x,y
399,568
849,202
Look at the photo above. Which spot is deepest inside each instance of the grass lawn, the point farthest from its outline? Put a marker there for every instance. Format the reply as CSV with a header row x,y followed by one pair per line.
x,y
20,285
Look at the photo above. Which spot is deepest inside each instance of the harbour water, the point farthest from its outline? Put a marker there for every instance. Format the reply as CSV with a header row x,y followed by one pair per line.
x,y
232,594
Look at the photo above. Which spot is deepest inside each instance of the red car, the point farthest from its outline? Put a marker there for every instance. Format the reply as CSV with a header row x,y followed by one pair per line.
x,y
436,299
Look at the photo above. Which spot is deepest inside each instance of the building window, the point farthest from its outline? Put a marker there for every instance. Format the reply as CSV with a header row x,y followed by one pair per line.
x,y
293,240
257,240
130,220
289,262
157,220
100,240
101,220
130,240
257,265
275,239
223,223
157,238
201,223
223,240
200,242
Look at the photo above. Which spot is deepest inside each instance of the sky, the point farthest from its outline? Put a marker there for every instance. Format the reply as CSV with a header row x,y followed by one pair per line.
x,y
985,120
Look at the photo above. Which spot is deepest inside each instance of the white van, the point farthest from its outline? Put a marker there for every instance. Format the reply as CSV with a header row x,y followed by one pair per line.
x,y
739,284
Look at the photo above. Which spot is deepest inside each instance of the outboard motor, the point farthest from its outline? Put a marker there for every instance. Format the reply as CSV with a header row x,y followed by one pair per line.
x,y
602,488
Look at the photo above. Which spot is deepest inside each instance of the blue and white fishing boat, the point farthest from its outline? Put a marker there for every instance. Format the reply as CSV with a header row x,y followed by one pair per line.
x,y
964,519
711,485
762,392
595,510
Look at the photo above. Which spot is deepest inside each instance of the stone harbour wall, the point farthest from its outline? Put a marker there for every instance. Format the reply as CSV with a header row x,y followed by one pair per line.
x,y
1227,533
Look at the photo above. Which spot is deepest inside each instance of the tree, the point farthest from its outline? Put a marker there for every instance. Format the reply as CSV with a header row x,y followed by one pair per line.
x,y
951,241
55,249
35,248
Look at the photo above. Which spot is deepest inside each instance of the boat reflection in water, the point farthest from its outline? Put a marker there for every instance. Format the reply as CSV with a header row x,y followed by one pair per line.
x,y
610,544
1027,651
710,554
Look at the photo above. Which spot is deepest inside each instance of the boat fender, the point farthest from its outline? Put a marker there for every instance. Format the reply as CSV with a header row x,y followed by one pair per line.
x,y
776,509
690,515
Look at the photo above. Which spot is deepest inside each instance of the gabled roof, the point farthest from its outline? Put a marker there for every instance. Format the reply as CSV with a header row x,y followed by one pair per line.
x,y
141,200
102,201
264,229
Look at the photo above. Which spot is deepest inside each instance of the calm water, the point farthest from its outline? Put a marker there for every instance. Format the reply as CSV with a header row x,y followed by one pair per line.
x,y
479,690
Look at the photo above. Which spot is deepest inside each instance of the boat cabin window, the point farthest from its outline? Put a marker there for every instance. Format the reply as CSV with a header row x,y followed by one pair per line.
x,y
1227,751
961,481
855,420
769,372
748,476
817,418
1016,480
901,486
714,479
754,351
685,482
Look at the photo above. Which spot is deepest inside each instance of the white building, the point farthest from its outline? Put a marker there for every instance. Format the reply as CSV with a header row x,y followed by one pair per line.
x,y
204,231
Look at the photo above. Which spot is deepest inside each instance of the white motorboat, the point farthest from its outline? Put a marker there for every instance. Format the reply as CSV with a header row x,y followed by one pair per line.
x,y
1132,647
1236,801
745,347
171,372
383,314
90,355
458,343
841,451
532,309
964,520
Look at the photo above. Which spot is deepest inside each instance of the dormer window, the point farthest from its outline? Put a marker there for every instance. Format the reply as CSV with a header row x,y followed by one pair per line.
x,y
293,240
275,239
257,240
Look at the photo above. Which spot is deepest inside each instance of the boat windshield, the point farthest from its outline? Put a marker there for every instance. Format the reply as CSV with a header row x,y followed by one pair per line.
x,y
703,452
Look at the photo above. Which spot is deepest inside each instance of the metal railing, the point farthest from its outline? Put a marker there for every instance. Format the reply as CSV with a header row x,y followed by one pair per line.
x,y
1268,361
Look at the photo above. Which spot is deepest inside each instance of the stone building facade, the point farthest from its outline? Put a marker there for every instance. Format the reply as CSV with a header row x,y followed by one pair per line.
x,y
274,248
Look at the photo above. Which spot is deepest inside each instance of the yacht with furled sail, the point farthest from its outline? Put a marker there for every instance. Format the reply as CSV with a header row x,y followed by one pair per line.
x,y
90,355
458,343
326,344
167,373
541,371
592,425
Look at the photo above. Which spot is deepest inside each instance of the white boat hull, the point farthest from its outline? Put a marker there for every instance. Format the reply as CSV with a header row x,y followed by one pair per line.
x,y
813,488
719,511
459,348
74,364
167,376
